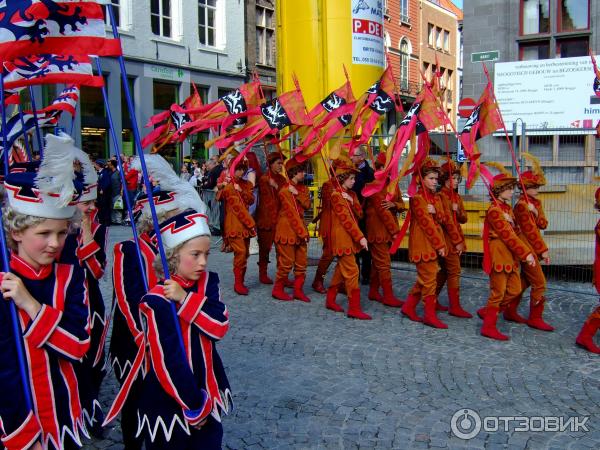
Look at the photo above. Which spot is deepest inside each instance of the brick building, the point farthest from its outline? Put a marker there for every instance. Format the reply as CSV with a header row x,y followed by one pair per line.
x,y
260,42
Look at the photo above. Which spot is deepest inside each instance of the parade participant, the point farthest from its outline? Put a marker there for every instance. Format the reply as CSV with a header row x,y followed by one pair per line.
x,y
267,212
346,240
449,274
503,252
585,338
530,219
185,391
86,247
239,224
382,227
52,305
325,235
365,175
173,197
427,243
291,234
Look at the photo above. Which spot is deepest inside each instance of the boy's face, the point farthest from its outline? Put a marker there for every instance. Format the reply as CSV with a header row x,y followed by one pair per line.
x,y
41,244
86,207
431,181
277,166
349,183
533,191
507,194
193,258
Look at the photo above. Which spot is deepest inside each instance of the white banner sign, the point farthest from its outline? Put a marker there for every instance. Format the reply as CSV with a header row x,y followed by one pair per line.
x,y
367,32
548,93
167,73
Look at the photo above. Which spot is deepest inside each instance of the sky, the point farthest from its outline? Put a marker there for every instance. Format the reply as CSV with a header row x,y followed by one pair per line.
x,y
458,3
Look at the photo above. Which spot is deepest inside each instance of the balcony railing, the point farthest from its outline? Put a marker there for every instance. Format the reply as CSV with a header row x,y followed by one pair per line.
x,y
409,87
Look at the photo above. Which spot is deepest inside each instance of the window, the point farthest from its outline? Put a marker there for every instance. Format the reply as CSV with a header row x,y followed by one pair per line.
x,y
404,11
265,36
430,34
164,95
160,17
116,9
535,16
207,15
569,48
438,38
537,50
404,55
573,15
446,41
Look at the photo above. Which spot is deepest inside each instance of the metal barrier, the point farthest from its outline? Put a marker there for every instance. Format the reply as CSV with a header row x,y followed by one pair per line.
x,y
213,208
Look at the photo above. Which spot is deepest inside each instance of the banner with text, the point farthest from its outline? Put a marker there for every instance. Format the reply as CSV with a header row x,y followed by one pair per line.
x,y
367,32
548,93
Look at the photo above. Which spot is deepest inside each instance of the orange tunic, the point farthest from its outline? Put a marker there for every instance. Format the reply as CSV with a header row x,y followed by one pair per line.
x,y
238,221
345,233
448,197
291,228
530,225
427,230
267,211
507,250
382,224
325,215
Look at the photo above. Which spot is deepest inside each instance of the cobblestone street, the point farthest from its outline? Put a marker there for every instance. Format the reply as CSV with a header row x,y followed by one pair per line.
x,y
304,377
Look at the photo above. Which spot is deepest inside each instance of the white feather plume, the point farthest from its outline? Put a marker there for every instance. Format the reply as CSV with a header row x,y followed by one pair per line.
x,y
56,174
90,176
161,171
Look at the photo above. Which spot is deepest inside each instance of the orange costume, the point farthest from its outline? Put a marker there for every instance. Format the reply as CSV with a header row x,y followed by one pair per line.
x,y
291,237
382,227
503,253
267,213
239,226
450,265
325,234
585,338
530,223
426,240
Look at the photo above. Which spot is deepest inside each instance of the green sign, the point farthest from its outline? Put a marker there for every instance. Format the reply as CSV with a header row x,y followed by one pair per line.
x,y
492,55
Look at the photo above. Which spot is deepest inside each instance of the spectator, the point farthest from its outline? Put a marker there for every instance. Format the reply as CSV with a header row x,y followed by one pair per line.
x,y
116,215
131,179
214,170
104,192
185,174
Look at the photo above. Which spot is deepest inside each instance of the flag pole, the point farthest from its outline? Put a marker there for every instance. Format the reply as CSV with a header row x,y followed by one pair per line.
x,y
16,328
145,176
122,176
38,133
27,148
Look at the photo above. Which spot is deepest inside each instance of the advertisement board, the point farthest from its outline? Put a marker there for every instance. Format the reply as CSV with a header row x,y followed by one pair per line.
x,y
367,32
548,93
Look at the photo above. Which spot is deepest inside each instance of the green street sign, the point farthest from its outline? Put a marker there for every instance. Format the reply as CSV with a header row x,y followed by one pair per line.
x,y
492,55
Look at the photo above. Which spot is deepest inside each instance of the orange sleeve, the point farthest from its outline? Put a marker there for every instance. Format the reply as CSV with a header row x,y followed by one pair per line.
x,y
293,216
447,220
540,220
246,193
506,233
356,206
340,205
426,222
461,214
387,219
303,197
528,225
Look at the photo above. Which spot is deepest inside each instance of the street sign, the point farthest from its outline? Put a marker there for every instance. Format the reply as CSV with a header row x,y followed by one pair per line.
x,y
466,107
492,55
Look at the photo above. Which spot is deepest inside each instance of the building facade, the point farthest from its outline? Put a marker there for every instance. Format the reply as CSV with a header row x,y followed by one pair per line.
x,y
168,46
526,30
261,54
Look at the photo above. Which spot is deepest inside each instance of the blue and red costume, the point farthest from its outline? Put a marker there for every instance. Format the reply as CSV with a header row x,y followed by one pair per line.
x,y
182,390
54,342
92,257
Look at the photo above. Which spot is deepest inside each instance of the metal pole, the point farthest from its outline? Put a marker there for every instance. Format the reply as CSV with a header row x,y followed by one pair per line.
x,y
27,149
38,134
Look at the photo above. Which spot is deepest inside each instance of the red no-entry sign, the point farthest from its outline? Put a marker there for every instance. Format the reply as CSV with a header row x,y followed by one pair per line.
x,y
466,107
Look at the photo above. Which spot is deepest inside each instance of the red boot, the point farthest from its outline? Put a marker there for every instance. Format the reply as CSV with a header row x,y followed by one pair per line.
x,y
298,292
330,301
238,285
388,295
317,283
263,276
430,317
374,294
440,307
489,325
535,316
288,283
279,293
511,314
585,338
409,309
481,313
354,310
455,309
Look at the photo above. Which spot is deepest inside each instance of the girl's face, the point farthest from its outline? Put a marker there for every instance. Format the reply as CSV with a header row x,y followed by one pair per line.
x,y
41,245
507,194
299,177
455,181
431,181
277,166
349,183
533,191
86,207
193,257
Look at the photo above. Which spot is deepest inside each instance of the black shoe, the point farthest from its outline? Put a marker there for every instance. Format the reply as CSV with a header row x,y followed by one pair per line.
x,y
365,282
